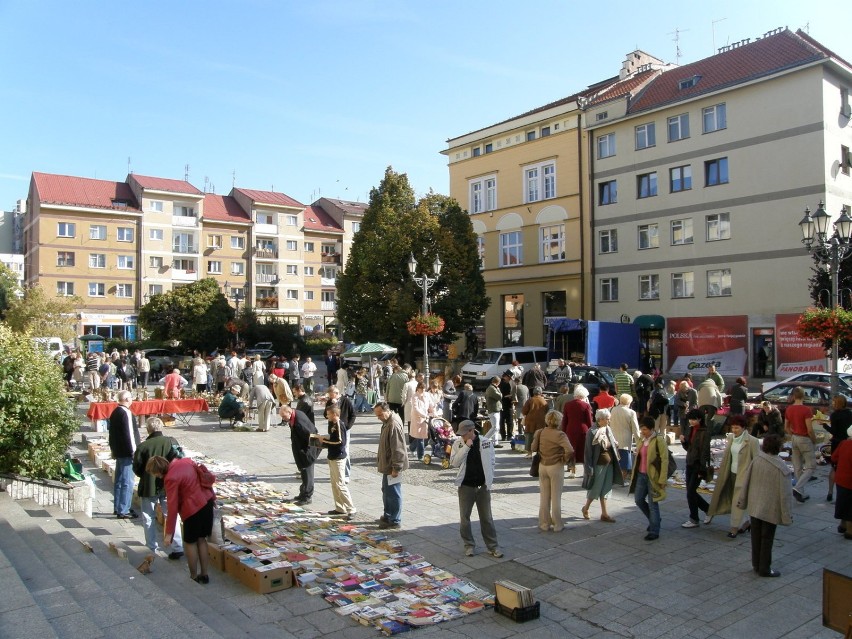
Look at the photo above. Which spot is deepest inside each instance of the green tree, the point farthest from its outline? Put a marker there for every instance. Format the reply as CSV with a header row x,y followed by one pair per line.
x,y
194,315
376,294
44,315
37,421
8,289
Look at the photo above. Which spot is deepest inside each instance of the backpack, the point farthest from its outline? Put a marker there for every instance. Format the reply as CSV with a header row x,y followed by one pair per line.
x,y
659,403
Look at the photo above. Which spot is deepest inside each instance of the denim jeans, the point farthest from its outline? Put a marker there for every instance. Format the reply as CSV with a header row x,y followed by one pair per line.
x,y
392,500
417,446
149,523
468,496
646,503
122,491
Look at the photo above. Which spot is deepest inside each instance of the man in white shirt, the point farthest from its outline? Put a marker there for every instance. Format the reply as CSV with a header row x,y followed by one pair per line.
x,y
308,370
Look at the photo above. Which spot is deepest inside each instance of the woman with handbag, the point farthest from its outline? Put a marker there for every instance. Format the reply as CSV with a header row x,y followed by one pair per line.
x,y
187,496
650,472
600,464
554,450
534,411
742,448
698,466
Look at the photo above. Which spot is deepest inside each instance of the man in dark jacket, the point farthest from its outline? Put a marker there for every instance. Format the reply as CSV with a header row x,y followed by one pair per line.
x,y
304,403
507,414
301,429
151,489
346,417
123,440
466,406
535,377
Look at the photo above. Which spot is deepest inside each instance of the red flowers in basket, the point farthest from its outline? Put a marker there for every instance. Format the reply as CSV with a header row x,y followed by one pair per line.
x,y
428,324
826,323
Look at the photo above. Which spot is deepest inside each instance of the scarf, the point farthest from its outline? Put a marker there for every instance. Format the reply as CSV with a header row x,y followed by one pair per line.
x,y
600,437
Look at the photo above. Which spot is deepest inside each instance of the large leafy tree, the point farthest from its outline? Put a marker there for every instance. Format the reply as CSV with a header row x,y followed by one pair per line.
x,y
8,289
195,315
376,294
43,315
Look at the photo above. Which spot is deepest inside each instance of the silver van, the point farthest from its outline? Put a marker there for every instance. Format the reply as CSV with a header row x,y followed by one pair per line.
x,y
492,362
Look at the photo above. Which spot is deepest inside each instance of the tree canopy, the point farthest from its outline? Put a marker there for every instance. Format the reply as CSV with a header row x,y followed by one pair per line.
x,y
194,315
376,294
43,315
8,289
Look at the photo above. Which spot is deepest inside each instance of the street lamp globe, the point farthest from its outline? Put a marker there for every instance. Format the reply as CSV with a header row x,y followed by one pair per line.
x,y
437,266
808,227
412,265
843,226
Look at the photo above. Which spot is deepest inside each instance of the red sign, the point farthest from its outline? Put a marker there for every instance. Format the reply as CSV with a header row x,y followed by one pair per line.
x,y
796,354
694,343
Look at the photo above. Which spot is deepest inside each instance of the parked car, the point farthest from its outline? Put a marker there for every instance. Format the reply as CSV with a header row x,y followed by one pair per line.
x,y
264,349
845,380
161,360
590,377
817,396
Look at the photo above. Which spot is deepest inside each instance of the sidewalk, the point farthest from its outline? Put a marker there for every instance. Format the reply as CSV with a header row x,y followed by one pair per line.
x,y
593,579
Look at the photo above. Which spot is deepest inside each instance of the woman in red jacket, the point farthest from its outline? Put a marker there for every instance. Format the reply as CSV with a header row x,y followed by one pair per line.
x,y
186,496
842,458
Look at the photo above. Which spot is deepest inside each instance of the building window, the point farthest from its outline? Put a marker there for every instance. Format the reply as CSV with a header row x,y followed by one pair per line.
x,y
714,118
155,235
97,232
309,296
649,236
680,178
607,193
184,211
682,232
64,289
238,268
606,145
238,242
646,136
683,285
489,147
292,269
292,245
609,241
356,226
327,296
292,294
214,267
678,127
308,271
545,131
96,289
65,258
155,206
97,260
716,172
309,247
480,250
65,229
125,235
126,262
530,136
155,262
553,243
124,290
292,220
476,152
719,283
649,287
845,160
265,218
609,289
601,116
688,83
214,241
183,243
718,227
476,200
646,185
540,182
513,320
511,249
155,289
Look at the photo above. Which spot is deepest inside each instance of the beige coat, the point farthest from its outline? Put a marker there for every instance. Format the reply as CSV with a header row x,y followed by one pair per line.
x,y
282,391
658,467
727,493
767,491
553,446
534,410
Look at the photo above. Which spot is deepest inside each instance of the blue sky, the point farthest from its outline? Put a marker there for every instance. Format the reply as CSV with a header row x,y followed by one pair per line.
x,y
317,98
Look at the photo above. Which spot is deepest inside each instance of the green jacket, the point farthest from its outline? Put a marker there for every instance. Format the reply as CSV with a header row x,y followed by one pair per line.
x,y
493,399
156,444
230,406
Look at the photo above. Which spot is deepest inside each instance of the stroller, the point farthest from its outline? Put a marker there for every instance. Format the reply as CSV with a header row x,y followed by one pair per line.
x,y
441,437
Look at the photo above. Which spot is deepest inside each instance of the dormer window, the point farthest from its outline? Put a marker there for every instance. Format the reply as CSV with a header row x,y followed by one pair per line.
x,y
689,82
123,204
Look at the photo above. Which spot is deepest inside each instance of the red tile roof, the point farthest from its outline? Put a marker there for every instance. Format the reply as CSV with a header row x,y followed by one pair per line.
x,y
769,55
622,88
224,208
269,197
163,184
316,219
77,191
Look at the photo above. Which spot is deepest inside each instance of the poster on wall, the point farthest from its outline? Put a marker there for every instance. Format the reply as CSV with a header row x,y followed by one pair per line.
x,y
796,354
694,343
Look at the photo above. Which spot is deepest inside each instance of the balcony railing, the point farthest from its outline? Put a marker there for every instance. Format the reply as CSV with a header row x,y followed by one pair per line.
x,y
266,229
184,220
331,258
185,248
181,275
328,306
328,281
266,302
265,253
266,278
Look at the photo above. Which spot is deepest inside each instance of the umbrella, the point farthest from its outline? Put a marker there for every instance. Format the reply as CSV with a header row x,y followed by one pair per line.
x,y
370,349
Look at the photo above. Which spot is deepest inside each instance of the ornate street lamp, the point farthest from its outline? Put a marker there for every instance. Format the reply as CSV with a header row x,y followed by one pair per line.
x,y
425,283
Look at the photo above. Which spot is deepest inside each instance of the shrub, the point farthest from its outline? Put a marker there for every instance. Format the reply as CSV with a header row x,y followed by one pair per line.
x,y
36,419
319,345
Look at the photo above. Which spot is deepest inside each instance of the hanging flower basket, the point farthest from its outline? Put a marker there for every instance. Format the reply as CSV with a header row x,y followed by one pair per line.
x,y
826,324
429,324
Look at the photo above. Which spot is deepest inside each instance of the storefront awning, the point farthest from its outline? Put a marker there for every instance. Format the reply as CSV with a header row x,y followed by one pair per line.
x,y
650,321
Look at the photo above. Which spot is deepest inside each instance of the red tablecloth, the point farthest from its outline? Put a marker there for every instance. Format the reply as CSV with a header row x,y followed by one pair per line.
x,y
102,410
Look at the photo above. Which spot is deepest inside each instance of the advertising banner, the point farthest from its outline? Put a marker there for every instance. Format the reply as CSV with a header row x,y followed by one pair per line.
x,y
796,354
694,343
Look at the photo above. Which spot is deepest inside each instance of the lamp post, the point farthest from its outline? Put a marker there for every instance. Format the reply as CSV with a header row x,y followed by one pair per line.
x,y
831,250
237,295
425,283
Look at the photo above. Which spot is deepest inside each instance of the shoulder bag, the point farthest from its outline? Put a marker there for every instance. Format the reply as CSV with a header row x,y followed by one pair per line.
x,y
536,462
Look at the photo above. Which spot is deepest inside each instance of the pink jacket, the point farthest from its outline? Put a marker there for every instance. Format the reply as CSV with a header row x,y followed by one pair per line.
x,y
183,492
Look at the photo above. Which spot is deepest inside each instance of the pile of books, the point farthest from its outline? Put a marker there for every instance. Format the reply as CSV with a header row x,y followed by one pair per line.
x,y
512,595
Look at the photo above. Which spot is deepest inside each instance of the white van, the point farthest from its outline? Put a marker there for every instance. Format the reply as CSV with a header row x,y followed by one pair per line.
x,y
492,362
52,346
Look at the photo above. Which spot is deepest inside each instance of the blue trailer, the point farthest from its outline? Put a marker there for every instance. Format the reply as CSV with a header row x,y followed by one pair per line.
x,y
597,343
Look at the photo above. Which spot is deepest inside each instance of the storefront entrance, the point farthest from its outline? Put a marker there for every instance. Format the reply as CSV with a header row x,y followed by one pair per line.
x,y
763,352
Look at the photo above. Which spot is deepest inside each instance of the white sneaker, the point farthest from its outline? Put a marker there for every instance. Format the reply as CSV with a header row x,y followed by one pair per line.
x,y
468,551
708,519
238,424
689,524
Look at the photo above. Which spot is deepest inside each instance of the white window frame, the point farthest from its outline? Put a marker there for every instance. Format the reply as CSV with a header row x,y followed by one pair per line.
x,y
155,289
292,269
214,241
124,234
214,267
685,228
155,261
356,226
69,228
65,258
97,260
678,124
685,173
718,227
483,194
683,283
127,262
265,218
606,145
155,235
716,277
511,243
308,296
292,294
292,245
238,242
309,247
124,290
308,271
95,232
238,268
327,296
609,289
480,250
714,118
540,181
552,243
651,233
649,179
608,241
291,220
155,206
646,136
181,210
649,286
99,289
65,289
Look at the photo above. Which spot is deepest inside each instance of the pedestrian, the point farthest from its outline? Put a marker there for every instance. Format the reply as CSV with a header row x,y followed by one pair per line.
x,y
840,421
144,369
643,386
798,422
738,397
304,402
347,419
304,453
742,448
474,457
841,458
262,396
562,398
562,374
281,389
709,401
650,472
258,370
337,443
555,450
308,370
507,410
685,400
422,410
623,381
494,403
194,503
295,370
331,366
625,428
603,399
715,376
465,406
522,394
534,411
766,496
392,460
123,441
152,491
600,464
658,405
231,408
696,440
576,422
199,375
395,390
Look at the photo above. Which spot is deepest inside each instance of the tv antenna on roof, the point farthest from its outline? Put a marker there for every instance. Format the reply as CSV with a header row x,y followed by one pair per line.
x,y
129,170
713,28
676,33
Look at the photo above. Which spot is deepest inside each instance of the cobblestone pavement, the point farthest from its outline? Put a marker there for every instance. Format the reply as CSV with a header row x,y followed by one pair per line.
x,y
593,579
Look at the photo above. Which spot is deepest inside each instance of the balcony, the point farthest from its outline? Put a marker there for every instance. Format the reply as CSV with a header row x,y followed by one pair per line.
x,y
266,302
266,229
184,220
189,249
328,281
265,253
331,258
328,306
181,275
266,278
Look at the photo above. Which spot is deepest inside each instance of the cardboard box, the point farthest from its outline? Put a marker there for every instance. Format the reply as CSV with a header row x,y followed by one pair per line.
x,y
216,555
261,581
